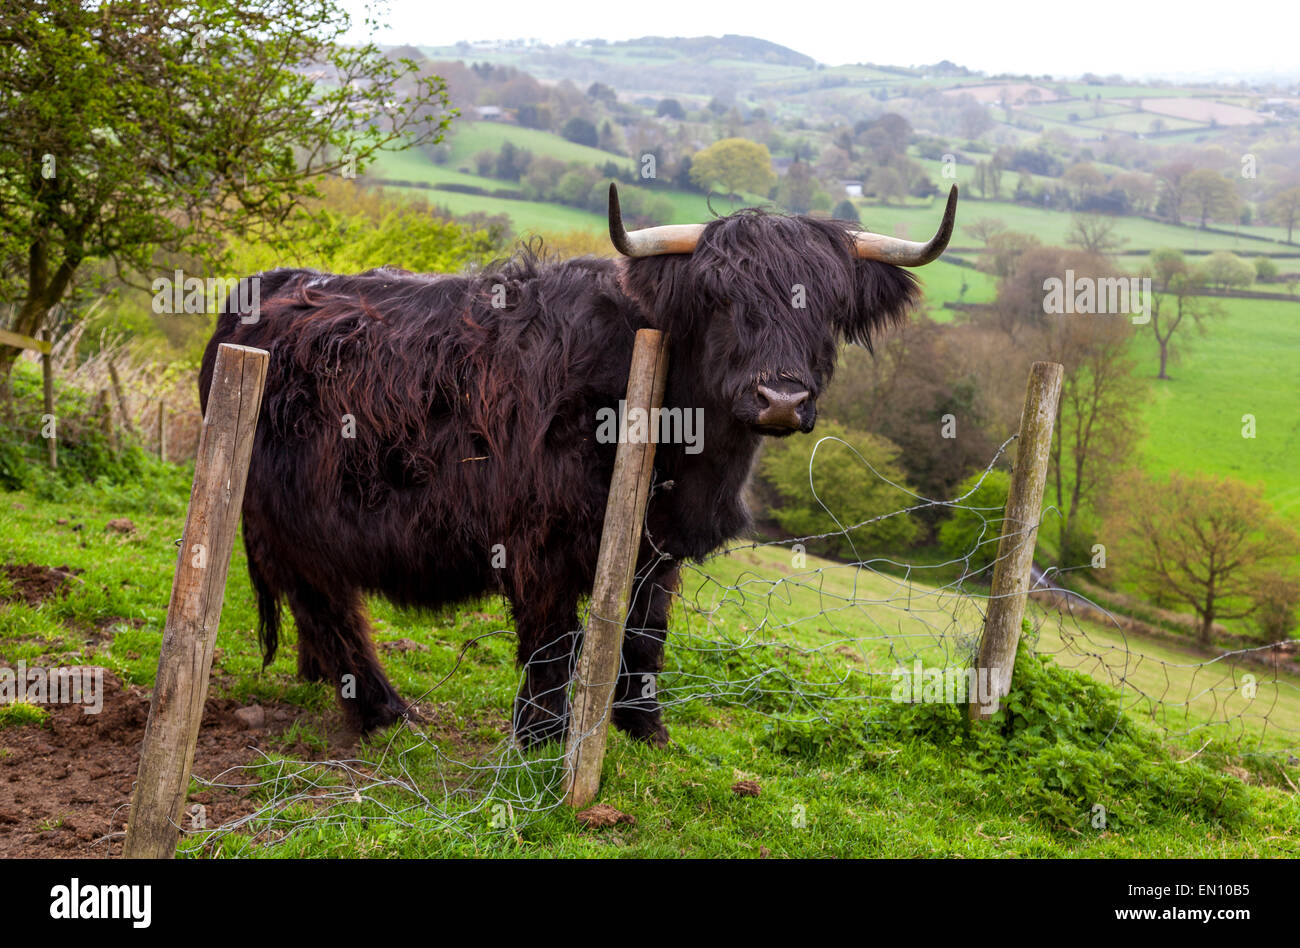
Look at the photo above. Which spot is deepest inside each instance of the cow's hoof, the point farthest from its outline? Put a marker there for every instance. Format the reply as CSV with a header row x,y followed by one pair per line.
x,y
367,721
640,726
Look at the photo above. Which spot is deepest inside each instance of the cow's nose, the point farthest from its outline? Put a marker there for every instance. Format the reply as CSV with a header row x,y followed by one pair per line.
x,y
780,409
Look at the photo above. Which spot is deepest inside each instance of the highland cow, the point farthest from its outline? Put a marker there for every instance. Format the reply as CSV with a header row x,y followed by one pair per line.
x,y
433,439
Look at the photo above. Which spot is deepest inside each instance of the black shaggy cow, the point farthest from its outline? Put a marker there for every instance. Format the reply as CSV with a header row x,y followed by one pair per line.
x,y
433,438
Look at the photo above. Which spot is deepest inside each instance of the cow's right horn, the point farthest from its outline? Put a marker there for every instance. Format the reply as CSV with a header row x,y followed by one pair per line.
x,y
650,241
908,253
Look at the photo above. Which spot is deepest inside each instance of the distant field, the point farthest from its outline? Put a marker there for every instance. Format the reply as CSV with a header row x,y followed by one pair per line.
x,y
1244,364
943,283
1052,226
1203,110
1081,89
525,216
1140,122
1061,111
469,138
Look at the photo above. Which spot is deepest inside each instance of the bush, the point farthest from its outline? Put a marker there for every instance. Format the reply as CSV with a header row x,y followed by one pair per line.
x,y
139,479
847,492
1061,744
846,211
972,532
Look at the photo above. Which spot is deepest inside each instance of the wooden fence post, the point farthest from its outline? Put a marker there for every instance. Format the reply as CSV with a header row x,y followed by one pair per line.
x,y
1011,571
121,398
47,383
620,540
106,420
162,431
220,471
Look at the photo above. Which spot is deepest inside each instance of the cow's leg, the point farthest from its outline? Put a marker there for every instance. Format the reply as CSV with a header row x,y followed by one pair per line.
x,y
548,632
636,699
334,646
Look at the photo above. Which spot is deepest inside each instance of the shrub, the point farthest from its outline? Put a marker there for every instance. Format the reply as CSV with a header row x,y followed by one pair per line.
x,y
847,493
972,532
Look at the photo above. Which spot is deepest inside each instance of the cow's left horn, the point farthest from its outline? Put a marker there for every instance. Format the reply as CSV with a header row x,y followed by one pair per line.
x,y
908,253
650,241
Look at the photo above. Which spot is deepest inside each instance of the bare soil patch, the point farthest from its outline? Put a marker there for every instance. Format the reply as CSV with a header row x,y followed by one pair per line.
x,y
65,786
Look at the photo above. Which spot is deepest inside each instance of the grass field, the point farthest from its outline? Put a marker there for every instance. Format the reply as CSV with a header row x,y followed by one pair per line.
x,y
1245,363
775,675
469,138
1053,226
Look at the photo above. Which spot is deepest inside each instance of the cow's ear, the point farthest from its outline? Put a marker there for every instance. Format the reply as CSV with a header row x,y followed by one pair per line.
x,y
666,289
884,296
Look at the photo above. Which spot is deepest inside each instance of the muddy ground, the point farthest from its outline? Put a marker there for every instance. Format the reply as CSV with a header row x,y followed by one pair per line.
x,y
65,785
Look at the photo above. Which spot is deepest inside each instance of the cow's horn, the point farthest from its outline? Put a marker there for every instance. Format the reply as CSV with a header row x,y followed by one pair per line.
x,y
908,253
651,241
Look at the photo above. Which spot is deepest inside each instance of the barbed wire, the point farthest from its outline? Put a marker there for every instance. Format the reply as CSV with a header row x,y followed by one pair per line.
x,y
789,641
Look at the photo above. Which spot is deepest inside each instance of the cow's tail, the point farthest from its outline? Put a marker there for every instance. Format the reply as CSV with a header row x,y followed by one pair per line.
x,y
268,608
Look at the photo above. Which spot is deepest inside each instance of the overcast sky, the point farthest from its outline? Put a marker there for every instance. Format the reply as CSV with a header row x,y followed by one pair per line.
x,y
1137,38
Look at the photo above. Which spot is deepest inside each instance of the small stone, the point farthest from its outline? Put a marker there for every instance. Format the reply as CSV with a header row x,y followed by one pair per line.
x,y
120,525
251,717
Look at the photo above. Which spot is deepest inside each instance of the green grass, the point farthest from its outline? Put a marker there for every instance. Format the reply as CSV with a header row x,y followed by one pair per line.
x,y
1053,226
776,673
525,216
469,138
1245,363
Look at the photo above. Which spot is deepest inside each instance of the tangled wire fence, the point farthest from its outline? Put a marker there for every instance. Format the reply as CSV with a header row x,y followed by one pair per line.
x,y
791,639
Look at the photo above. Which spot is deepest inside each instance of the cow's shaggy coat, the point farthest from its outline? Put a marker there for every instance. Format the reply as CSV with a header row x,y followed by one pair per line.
x,y
420,443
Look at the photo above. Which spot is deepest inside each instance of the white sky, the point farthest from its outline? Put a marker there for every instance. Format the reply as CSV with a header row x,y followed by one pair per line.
x,y
1136,38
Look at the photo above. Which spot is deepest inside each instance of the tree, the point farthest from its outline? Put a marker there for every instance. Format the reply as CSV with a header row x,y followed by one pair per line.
x,y
1138,189
736,165
132,129
1210,194
846,211
1227,271
984,229
1097,419
1094,233
1284,210
988,178
1003,251
1083,181
1265,270
1277,597
888,183
847,491
670,108
1170,178
1176,297
1210,542
581,130
795,189
974,120
975,527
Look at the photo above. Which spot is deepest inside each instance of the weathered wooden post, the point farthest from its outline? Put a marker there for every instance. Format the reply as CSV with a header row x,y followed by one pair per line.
x,y
162,431
121,398
106,420
220,471
602,646
1011,572
47,383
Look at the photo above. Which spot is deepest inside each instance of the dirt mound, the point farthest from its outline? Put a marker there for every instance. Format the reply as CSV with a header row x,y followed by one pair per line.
x,y
34,584
67,784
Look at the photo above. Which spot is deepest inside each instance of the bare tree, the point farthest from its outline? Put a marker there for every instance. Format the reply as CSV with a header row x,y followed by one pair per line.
x,y
1176,298
1094,233
1210,542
